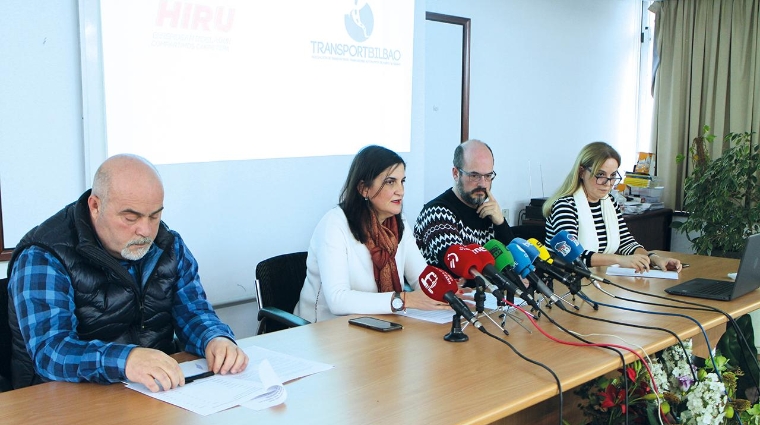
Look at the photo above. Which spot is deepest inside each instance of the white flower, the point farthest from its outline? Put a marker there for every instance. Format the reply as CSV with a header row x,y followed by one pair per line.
x,y
705,402
660,376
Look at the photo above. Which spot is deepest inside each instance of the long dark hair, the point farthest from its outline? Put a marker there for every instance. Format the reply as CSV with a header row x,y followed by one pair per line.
x,y
366,166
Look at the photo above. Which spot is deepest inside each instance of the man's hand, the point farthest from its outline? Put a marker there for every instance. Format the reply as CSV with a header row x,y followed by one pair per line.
x,y
153,368
491,208
224,356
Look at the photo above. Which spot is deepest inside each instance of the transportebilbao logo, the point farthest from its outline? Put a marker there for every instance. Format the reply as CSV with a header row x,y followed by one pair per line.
x,y
360,21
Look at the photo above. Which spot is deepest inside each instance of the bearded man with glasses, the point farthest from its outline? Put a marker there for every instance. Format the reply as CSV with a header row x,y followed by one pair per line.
x,y
467,213
584,208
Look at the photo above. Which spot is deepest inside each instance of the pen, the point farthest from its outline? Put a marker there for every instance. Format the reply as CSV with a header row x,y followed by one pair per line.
x,y
190,379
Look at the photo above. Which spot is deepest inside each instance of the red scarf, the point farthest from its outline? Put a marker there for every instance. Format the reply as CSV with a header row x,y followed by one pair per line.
x,y
382,242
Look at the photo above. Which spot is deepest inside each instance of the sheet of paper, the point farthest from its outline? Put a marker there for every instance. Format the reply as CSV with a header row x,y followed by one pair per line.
x,y
208,395
630,272
275,392
445,316
219,392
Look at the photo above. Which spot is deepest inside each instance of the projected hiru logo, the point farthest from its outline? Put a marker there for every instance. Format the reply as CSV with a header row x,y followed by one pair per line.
x,y
193,16
360,21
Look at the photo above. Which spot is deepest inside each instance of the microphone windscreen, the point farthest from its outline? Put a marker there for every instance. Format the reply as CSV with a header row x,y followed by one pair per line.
x,y
461,261
543,253
566,246
527,247
522,261
435,283
484,257
503,258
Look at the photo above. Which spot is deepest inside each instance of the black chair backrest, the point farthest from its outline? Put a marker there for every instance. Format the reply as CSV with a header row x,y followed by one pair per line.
x,y
527,231
281,279
5,334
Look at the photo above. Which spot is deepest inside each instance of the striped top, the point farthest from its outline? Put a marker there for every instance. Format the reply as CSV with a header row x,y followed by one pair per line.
x,y
564,216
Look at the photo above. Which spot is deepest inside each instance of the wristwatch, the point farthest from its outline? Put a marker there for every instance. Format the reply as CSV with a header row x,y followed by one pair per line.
x,y
397,303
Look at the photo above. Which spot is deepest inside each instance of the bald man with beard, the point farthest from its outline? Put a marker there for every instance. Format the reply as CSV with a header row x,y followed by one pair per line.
x,y
465,214
99,291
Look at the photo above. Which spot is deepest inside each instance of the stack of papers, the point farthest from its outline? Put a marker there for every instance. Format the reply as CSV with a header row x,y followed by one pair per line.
x,y
625,271
258,387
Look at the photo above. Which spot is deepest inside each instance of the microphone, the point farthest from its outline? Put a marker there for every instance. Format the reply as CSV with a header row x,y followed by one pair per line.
x,y
504,265
504,261
465,263
569,249
440,286
567,246
543,261
492,274
524,266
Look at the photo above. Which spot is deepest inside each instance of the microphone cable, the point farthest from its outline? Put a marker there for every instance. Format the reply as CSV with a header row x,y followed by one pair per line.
x,y
586,343
529,360
657,399
668,331
694,306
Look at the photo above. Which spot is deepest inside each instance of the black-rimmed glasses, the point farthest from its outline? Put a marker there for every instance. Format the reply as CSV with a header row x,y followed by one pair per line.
x,y
476,177
602,178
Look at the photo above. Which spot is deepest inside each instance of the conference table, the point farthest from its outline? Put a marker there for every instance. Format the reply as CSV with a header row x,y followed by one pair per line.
x,y
414,376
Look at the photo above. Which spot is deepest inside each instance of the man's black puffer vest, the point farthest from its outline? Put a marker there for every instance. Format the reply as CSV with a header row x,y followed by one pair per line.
x,y
109,305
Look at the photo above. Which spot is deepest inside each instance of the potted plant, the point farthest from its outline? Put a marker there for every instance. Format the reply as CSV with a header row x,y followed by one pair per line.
x,y
722,196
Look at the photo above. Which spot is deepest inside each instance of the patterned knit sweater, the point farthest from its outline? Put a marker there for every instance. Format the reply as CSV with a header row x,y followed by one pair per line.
x,y
447,221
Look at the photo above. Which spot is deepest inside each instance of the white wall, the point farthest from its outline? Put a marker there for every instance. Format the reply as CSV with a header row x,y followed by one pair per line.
x,y
547,77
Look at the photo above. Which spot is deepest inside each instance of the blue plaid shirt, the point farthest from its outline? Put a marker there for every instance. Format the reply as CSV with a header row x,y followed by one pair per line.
x,y
43,296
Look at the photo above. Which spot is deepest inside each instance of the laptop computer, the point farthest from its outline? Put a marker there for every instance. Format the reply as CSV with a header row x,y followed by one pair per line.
x,y
747,278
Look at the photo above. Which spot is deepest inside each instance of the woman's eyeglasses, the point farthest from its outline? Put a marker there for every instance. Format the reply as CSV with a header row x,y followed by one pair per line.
x,y
602,178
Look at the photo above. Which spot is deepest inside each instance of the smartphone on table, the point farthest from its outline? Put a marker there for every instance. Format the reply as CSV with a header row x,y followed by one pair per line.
x,y
375,324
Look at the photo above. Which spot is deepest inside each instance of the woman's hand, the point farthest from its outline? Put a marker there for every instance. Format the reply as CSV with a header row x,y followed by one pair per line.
x,y
640,262
419,300
665,263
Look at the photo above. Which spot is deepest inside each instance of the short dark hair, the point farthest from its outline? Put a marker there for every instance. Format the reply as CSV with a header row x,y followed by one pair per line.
x,y
366,166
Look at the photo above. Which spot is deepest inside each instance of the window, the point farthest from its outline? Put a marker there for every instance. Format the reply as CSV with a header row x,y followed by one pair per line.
x,y
645,99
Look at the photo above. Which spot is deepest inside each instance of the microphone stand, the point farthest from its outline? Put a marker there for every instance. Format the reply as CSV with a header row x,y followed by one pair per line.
x,y
480,297
575,288
547,280
456,334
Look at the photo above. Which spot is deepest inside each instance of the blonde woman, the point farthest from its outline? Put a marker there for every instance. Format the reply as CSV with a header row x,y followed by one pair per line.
x,y
584,208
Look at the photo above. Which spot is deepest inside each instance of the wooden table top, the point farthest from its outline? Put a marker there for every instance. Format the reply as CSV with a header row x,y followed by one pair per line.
x,y
413,375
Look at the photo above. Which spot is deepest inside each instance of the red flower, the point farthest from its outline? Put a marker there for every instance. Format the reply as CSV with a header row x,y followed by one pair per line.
x,y
631,374
612,397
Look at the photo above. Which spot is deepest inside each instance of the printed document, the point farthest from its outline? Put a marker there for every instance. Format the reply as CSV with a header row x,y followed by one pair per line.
x,y
258,387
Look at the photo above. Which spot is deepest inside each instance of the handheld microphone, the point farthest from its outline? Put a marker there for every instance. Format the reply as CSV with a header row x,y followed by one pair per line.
x,y
440,286
544,262
504,261
524,266
505,265
492,274
569,249
465,262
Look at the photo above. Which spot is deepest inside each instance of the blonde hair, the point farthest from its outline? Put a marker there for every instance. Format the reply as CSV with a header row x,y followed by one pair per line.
x,y
591,157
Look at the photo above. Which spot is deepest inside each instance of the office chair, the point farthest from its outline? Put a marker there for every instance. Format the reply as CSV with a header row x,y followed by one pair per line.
x,y
278,287
5,339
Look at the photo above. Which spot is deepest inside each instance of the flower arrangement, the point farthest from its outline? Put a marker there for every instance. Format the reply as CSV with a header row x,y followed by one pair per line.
x,y
686,394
